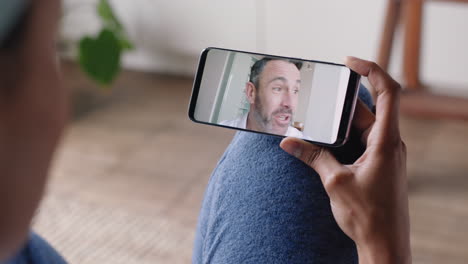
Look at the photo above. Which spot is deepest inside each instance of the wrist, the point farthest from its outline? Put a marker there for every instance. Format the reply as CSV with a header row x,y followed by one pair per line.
x,y
385,252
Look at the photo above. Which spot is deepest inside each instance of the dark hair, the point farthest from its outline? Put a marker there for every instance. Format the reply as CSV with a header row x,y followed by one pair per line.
x,y
259,65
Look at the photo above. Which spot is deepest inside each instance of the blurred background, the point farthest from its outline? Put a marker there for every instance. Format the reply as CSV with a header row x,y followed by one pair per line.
x,y
129,177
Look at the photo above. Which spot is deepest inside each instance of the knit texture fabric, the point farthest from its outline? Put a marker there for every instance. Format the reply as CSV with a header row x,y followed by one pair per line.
x,y
262,205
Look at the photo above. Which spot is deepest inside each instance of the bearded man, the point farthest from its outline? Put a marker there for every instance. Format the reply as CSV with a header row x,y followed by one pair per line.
x,y
273,93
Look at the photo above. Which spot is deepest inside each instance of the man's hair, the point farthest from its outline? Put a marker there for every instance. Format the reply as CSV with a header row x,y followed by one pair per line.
x,y
259,65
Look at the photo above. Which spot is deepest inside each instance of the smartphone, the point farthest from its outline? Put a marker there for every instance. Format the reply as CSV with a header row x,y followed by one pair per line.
x,y
11,11
275,95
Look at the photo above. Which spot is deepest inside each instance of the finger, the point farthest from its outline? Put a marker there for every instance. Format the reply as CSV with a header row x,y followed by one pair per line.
x,y
387,101
318,158
363,120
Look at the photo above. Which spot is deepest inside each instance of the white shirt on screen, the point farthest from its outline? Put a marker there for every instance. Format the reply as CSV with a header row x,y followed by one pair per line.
x,y
241,122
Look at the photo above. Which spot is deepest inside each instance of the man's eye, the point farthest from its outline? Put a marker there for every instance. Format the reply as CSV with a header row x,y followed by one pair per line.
x,y
277,89
296,91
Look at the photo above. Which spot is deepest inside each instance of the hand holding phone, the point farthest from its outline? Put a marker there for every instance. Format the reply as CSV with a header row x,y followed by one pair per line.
x,y
275,95
369,197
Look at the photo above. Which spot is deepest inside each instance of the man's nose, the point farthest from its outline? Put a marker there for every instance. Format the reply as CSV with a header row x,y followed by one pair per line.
x,y
286,99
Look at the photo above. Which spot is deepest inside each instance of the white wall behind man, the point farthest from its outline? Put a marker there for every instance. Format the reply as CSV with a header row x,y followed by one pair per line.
x,y
170,34
210,84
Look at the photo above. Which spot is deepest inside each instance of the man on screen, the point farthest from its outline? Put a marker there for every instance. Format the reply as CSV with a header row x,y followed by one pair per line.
x,y
273,93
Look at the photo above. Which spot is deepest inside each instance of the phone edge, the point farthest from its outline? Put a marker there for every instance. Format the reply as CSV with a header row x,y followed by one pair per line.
x,y
343,134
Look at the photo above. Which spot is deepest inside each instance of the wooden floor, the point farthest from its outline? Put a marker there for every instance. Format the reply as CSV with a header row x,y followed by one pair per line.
x,y
129,177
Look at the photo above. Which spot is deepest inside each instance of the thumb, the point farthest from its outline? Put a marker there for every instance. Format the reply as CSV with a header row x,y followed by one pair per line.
x,y
318,158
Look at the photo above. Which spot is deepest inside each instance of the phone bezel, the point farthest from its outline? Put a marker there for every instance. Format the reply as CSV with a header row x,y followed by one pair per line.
x,y
346,115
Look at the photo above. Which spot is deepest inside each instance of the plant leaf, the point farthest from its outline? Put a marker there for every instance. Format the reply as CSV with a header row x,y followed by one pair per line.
x,y
111,22
100,57
107,14
125,44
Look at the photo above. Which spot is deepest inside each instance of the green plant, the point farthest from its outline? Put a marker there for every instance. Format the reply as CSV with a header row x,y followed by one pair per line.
x,y
99,56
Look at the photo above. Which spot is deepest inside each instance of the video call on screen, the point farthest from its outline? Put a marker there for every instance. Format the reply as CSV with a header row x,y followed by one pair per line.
x,y
272,95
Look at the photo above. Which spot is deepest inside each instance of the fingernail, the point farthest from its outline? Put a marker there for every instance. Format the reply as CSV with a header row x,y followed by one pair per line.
x,y
292,147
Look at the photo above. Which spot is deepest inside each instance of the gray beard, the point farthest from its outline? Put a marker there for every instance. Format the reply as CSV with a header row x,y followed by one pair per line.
x,y
265,122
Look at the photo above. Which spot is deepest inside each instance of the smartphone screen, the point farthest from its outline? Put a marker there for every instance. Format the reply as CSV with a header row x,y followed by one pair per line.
x,y
274,95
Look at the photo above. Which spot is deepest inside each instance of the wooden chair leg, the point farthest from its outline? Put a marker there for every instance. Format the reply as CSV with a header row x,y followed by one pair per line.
x,y
392,18
412,43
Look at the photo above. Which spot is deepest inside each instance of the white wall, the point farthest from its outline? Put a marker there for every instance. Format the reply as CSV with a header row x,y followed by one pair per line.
x,y
322,103
170,34
234,100
210,84
307,75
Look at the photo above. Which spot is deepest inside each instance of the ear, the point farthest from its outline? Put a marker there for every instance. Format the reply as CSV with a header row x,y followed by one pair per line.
x,y
250,92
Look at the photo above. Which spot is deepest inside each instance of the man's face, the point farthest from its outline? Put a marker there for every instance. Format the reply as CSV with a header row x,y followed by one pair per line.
x,y
276,98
